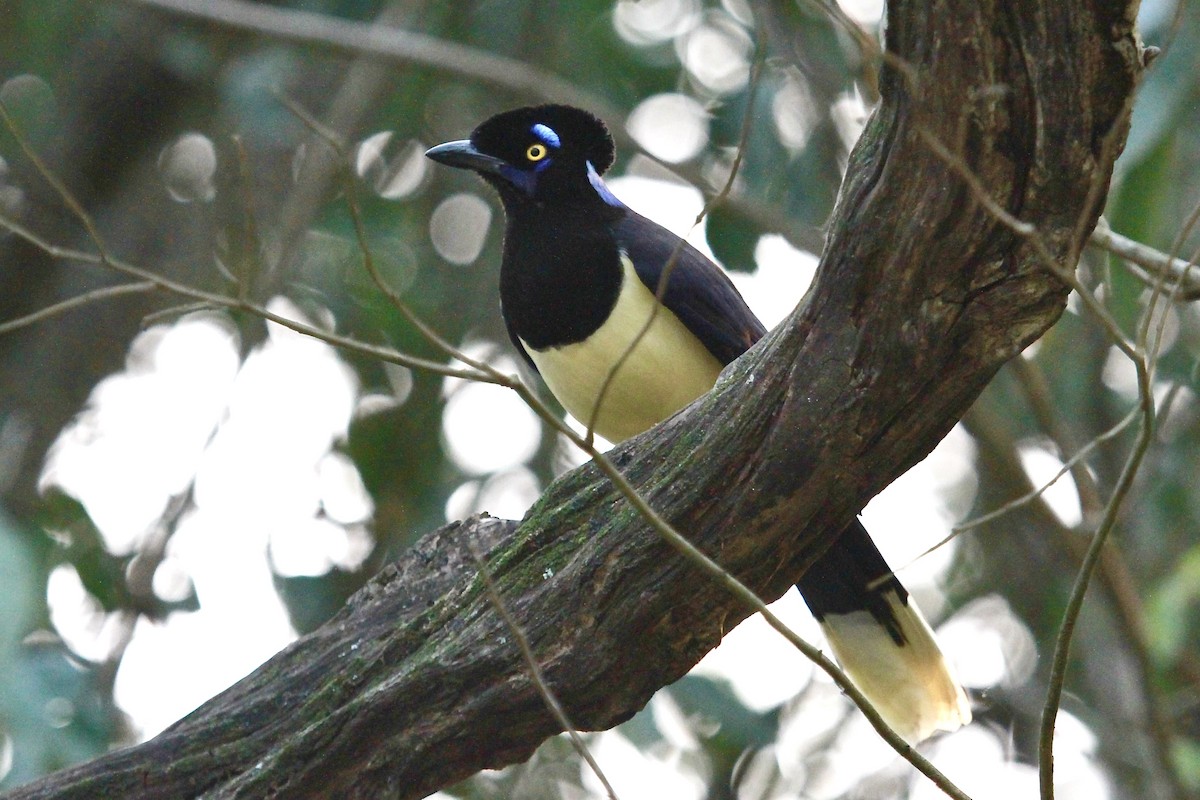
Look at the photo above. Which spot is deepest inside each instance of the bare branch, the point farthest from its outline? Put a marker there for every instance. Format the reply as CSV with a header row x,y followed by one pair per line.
x,y
1150,264
323,30
94,296
535,671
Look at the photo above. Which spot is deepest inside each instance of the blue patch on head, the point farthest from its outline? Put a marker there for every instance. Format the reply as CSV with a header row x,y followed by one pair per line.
x,y
601,189
546,134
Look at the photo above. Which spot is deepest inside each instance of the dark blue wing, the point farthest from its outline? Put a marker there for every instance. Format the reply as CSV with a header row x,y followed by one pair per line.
x,y
697,291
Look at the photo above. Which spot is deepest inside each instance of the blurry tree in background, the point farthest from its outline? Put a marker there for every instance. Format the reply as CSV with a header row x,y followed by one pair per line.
x,y
182,489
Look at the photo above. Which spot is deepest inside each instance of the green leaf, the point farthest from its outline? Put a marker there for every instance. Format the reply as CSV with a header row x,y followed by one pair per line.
x,y
732,239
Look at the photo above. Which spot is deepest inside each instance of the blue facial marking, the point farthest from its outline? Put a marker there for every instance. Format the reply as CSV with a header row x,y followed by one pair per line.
x,y
601,189
522,179
546,134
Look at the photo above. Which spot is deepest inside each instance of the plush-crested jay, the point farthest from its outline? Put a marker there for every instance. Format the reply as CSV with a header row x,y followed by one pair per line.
x,y
578,283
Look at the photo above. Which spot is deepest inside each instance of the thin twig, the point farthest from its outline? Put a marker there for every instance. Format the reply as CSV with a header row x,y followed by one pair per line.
x,y
334,141
1062,644
1136,353
1033,494
212,300
1114,571
1144,331
54,182
535,670
362,88
1144,364
1032,381
1162,728
660,290
1093,204
870,49
87,298
175,311
102,258
394,43
1149,263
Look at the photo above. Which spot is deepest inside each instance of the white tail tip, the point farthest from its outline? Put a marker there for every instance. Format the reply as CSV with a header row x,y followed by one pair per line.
x,y
910,685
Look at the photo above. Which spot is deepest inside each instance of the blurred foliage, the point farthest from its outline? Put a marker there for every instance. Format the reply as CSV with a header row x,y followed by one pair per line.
x,y
103,88
52,712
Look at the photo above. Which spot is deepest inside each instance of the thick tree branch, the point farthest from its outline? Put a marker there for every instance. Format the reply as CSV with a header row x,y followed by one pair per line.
x,y
922,295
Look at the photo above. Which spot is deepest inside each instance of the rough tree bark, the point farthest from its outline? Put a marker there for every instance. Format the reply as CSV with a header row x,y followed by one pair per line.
x,y
922,295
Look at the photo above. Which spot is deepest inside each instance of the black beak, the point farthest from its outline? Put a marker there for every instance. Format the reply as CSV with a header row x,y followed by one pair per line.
x,y
462,154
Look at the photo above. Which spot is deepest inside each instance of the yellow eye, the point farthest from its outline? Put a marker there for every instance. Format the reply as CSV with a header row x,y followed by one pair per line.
x,y
536,152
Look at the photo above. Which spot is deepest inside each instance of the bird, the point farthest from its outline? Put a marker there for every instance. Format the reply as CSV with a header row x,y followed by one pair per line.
x,y
580,277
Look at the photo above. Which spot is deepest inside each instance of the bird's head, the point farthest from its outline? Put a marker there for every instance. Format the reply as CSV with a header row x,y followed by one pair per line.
x,y
538,153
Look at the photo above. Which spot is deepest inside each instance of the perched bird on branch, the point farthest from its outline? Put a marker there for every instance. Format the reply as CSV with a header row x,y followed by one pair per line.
x,y
582,278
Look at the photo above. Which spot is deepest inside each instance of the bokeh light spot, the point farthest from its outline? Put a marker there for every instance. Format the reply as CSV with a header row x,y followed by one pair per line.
x,y
459,226
188,167
671,126
507,495
140,438
646,22
392,173
30,103
6,754
488,428
794,112
864,12
1061,495
717,54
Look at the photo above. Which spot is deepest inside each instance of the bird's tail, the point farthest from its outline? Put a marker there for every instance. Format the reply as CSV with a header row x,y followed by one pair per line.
x,y
881,638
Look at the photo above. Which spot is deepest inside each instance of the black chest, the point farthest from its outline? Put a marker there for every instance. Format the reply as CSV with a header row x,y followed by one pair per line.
x,y
560,276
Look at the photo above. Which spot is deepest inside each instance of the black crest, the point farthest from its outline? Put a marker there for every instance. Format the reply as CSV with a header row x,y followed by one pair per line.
x,y
581,135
